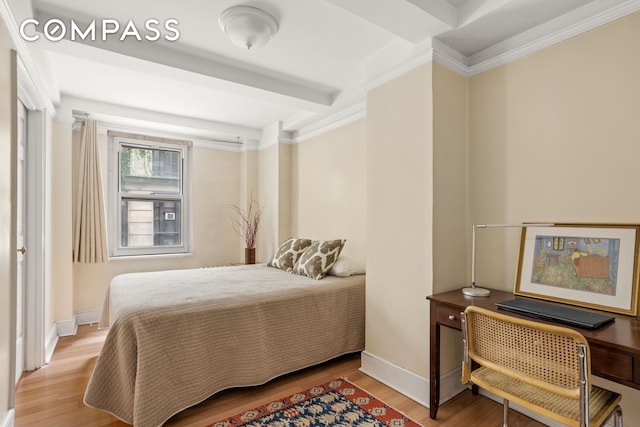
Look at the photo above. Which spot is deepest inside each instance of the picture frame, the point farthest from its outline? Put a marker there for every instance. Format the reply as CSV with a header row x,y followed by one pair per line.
x,y
588,265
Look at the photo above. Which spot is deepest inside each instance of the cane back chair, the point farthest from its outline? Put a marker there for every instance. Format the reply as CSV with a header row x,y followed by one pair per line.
x,y
544,368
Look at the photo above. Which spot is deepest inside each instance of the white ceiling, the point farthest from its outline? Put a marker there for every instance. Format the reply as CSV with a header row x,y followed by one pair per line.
x,y
319,64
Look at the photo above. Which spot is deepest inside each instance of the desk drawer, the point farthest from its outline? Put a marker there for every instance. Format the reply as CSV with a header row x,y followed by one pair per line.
x,y
448,316
610,363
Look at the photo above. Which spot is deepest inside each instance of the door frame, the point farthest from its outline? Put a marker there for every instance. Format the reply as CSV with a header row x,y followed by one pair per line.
x,y
21,235
36,214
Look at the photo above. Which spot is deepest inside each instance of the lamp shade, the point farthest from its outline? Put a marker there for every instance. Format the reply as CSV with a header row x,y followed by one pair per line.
x,y
248,27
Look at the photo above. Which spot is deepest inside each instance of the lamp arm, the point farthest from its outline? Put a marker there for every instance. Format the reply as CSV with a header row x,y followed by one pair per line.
x,y
473,291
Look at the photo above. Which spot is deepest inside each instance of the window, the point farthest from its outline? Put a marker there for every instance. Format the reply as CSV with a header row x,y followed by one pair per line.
x,y
149,188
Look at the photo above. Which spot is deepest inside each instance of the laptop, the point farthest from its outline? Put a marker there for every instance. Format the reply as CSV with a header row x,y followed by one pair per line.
x,y
557,313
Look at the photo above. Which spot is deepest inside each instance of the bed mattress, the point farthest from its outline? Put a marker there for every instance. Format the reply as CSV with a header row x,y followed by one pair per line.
x,y
177,337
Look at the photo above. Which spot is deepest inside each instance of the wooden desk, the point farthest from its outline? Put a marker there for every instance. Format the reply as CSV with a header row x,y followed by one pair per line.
x,y
615,348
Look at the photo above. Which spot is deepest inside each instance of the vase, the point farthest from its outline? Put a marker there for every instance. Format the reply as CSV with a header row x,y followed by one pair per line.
x,y
249,255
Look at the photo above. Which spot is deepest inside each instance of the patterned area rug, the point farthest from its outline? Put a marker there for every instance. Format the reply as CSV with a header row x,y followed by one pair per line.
x,y
337,403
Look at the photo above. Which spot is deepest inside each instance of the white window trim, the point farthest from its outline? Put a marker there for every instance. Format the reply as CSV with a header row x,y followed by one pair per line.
x,y
114,211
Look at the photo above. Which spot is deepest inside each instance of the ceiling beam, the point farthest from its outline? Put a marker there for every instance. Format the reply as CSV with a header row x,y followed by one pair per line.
x,y
136,118
475,9
305,95
413,20
441,10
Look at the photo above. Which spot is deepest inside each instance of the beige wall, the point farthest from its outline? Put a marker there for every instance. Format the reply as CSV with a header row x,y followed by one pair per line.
x,y
274,165
284,193
62,232
329,187
268,178
450,209
8,138
249,183
451,232
550,137
399,169
216,183
555,137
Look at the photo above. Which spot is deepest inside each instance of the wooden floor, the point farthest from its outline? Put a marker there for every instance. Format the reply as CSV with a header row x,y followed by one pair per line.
x,y
52,396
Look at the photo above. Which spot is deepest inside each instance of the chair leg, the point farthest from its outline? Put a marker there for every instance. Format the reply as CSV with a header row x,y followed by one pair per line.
x,y
505,416
617,417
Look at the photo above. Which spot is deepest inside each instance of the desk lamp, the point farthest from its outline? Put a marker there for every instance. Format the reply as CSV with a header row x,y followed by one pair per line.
x,y
475,291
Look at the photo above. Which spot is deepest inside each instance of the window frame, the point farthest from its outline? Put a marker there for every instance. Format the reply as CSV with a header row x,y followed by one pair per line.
x,y
116,142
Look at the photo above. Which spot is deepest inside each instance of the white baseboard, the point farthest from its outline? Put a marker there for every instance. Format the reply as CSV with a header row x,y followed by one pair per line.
x,y
408,383
50,343
451,385
67,328
8,419
88,317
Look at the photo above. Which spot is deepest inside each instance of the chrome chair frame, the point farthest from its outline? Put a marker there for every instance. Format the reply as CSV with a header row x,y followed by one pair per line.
x,y
607,403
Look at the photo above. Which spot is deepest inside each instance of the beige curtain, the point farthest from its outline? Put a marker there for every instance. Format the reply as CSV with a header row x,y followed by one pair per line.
x,y
89,240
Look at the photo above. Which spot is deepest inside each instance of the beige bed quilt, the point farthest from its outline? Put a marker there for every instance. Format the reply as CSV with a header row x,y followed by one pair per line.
x,y
177,337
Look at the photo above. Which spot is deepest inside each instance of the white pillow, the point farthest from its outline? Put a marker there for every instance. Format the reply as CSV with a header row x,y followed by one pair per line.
x,y
347,266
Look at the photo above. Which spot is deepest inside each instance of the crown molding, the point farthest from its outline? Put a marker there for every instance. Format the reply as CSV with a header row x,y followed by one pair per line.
x,y
341,118
274,134
450,58
35,83
572,24
266,143
555,31
251,145
422,57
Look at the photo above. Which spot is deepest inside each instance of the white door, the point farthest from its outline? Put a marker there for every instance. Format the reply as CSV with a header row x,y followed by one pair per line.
x,y
20,226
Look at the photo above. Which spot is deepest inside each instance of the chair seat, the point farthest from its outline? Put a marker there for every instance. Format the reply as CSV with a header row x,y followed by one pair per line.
x,y
565,410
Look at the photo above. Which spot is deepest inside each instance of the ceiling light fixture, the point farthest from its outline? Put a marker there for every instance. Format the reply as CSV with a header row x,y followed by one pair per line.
x,y
248,27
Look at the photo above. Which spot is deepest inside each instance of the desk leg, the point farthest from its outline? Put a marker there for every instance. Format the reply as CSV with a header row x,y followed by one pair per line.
x,y
434,364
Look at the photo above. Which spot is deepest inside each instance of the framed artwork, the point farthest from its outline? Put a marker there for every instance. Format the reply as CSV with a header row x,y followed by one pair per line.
x,y
589,265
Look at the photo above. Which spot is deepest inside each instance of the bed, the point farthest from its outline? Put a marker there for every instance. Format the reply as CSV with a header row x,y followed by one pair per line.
x,y
178,337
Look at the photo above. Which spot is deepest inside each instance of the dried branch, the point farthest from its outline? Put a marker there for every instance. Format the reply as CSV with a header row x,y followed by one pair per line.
x,y
247,221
